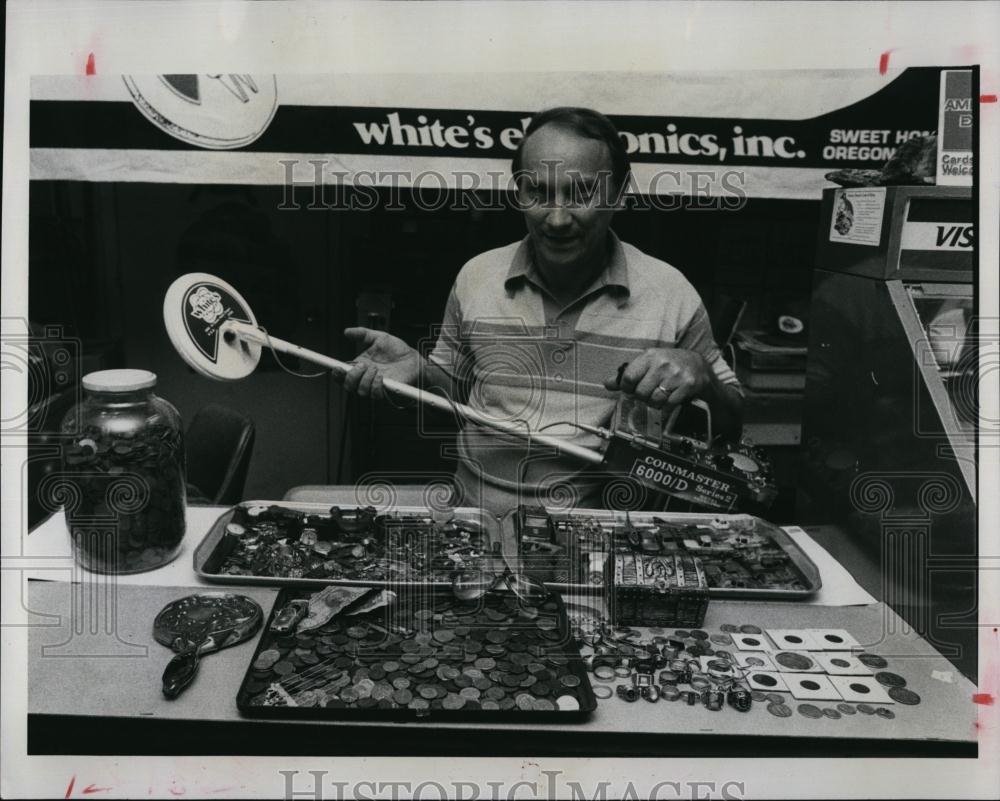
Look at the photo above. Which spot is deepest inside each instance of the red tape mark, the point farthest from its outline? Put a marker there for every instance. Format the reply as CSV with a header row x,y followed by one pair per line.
x,y
987,98
983,698
69,790
883,63
90,788
91,68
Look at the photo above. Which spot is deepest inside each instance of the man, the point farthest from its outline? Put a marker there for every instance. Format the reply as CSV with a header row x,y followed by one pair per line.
x,y
536,331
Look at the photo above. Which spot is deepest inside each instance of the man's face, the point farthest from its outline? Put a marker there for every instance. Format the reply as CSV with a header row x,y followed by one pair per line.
x,y
565,194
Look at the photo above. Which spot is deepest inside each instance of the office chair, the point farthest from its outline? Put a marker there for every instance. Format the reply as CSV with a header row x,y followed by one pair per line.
x,y
218,443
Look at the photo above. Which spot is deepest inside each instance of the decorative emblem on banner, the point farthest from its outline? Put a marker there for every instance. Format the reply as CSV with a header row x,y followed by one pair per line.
x,y
218,111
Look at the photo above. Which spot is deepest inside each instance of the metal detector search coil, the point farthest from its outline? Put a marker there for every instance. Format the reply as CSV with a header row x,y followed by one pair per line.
x,y
196,311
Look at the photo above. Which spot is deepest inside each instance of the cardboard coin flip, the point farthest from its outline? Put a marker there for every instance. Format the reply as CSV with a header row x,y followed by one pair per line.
x,y
198,311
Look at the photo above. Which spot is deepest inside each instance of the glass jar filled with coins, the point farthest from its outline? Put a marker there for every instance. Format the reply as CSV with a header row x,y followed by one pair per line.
x,y
123,482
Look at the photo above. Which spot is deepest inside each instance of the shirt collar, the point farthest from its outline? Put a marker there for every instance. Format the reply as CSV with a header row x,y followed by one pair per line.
x,y
614,275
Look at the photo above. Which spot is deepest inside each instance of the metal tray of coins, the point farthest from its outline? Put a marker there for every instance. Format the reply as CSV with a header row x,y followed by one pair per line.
x,y
742,556
309,545
421,655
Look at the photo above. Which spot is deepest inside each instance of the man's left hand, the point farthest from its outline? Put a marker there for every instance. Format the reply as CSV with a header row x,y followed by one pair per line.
x,y
664,376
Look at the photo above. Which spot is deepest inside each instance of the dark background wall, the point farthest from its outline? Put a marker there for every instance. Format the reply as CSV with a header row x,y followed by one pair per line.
x,y
103,255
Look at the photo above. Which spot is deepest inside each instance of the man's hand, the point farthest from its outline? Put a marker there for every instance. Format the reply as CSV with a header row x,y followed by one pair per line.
x,y
383,356
669,376
662,376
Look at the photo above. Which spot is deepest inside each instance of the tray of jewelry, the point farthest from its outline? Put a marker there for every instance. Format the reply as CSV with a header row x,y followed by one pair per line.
x,y
575,550
411,654
277,543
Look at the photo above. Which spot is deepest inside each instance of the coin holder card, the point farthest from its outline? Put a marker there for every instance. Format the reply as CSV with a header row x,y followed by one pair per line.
x,y
834,639
425,656
751,642
861,689
312,545
793,640
841,664
766,681
755,660
811,687
796,662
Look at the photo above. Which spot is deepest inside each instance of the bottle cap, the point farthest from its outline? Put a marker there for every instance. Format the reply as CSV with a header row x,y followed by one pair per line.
x,y
119,380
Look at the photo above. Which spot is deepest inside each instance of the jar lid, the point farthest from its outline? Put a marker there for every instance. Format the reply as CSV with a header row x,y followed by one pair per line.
x,y
119,380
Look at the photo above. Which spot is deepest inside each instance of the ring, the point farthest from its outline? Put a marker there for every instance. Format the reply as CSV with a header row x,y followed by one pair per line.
x,y
662,389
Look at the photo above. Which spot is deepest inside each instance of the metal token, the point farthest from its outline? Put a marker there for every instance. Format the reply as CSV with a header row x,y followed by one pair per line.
x,y
485,663
543,705
492,706
471,693
698,634
682,634
402,697
866,709
882,712
729,628
602,691
847,709
721,639
570,680
833,714
622,672
779,710
902,695
524,702
266,660
382,691
307,698
888,679
872,661
453,701
401,683
758,696
793,661
283,668
749,628
775,698
427,692
568,703
810,711
419,704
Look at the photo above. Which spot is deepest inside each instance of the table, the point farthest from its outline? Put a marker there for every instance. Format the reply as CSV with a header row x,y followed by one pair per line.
x,y
98,691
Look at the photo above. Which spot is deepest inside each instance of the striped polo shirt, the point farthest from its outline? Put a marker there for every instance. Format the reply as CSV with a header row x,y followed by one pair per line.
x,y
526,360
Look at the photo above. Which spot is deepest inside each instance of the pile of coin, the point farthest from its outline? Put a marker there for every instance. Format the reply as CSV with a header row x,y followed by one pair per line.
x,y
281,542
497,654
135,480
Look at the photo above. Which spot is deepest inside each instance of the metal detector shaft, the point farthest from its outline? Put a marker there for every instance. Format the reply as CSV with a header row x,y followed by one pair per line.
x,y
249,333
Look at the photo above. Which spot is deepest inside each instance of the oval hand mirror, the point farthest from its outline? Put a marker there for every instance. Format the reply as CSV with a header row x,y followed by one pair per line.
x,y
199,624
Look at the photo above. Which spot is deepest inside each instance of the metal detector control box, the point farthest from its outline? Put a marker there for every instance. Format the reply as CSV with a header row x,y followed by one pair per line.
x,y
717,475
